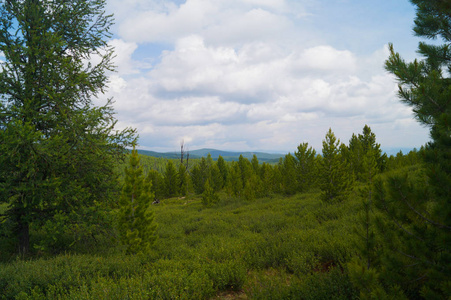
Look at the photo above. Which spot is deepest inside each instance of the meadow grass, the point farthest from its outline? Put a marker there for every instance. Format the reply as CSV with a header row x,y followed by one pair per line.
x,y
272,248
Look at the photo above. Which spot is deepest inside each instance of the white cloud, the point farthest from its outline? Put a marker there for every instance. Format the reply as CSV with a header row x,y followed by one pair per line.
x,y
219,21
123,60
236,77
324,58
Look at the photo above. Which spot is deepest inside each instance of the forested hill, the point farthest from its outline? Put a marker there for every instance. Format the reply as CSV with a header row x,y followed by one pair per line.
x,y
227,155
233,156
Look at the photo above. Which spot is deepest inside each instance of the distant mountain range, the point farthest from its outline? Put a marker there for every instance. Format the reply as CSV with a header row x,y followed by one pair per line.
x,y
227,155
233,156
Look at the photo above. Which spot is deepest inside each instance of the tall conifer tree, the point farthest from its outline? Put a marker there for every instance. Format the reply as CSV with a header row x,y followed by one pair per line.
x,y
136,223
58,151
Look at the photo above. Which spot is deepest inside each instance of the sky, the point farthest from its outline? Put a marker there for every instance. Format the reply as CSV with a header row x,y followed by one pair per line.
x,y
260,75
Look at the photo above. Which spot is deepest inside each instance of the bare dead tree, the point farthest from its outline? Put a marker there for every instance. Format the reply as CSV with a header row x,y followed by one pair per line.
x,y
182,151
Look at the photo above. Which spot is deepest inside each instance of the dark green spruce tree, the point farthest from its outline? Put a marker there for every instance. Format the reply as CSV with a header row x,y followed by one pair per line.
x,y
416,232
136,224
58,150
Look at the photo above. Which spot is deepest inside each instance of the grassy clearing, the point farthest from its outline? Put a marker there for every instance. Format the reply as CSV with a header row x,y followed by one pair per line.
x,y
279,248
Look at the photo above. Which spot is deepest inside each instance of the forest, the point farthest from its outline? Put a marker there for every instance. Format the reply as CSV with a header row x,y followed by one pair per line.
x,y
84,216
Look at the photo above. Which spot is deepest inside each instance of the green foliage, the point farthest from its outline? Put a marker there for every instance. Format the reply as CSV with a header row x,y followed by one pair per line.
x,y
266,180
252,187
183,180
336,178
245,169
359,147
329,285
62,273
235,182
414,157
171,180
223,169
216,177
307,167
415,232
156,181
255,164
362,269
415,246
199,175
289,175
234,247
209,196
136,224
58,150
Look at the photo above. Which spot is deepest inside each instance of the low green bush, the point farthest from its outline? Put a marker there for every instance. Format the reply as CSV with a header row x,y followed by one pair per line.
x,y
227,276
204,252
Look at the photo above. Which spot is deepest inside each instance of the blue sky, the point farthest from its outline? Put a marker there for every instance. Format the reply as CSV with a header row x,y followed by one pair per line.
x,y
260,75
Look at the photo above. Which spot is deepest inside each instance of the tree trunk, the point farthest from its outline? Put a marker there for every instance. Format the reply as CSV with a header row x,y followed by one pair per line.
x,y
24,237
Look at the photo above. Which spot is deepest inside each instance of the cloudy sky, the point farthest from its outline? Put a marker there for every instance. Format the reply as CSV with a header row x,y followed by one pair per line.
x,y
260,75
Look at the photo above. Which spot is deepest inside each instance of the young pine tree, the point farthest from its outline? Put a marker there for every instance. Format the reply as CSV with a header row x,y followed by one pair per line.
x,y
199,175
209,196
157,182
252,188
306,167
255,164
223,169
171,180
354,155
216,177
289,175
234,181
183,180
136,225
266,180
336,177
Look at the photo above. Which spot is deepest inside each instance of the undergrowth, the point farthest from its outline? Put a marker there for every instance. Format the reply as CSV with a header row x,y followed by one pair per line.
x,y
272,248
